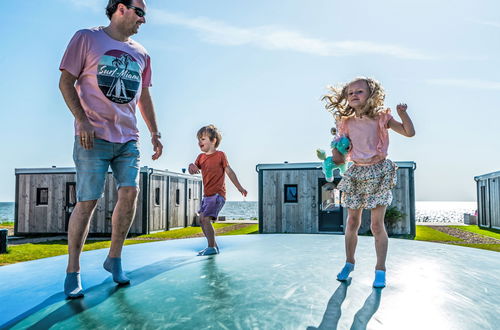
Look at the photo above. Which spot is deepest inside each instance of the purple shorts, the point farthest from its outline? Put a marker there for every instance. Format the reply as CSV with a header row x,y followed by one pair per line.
x,y
211,205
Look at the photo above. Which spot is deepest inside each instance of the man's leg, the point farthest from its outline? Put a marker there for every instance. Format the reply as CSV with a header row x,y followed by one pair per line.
x,y
351,241
78,229
381,243
125,165
122,218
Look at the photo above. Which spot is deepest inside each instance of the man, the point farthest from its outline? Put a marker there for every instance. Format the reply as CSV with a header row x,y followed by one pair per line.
x,y
104,75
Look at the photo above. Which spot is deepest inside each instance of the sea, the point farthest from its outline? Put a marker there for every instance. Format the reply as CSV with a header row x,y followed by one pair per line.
x,y
426,211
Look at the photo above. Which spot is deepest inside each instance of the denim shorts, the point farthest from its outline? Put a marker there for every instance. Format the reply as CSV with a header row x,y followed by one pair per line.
x,y
211,205
92,167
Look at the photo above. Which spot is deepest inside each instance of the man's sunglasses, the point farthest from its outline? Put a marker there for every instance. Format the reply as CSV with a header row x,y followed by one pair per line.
x,y
138,11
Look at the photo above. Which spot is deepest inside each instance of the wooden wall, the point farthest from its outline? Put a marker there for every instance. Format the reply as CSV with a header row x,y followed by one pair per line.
x,y
280,217
177,211
193,201
158,204
48,218
302,217
489,202
152,214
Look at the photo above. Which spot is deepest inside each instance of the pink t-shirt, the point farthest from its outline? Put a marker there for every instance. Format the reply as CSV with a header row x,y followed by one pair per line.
x,y
369,137
111,75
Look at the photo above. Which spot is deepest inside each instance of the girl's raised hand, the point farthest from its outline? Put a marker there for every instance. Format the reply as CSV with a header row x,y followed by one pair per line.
x,y
401,107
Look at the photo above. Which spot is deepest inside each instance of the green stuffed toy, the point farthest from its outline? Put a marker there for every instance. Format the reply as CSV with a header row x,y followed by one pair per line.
x,y
341,143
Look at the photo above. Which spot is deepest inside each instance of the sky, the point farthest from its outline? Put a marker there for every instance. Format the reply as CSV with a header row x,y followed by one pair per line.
x,y
257,70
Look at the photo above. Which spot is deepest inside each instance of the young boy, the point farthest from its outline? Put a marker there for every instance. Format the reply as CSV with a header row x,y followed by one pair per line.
x,y
213,165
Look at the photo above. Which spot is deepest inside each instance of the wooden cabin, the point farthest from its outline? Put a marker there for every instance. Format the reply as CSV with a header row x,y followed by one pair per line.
x,y
45,198
488,200
296,198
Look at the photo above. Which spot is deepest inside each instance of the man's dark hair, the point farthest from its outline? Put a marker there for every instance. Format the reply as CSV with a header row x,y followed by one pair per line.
x,y
113,4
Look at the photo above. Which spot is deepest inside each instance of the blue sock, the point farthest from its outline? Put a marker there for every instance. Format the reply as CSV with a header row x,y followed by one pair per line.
x,y
344,273
114,266
73,286
379,279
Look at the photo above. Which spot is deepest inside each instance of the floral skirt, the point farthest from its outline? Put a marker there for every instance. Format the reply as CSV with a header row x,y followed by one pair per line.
x,y
366,187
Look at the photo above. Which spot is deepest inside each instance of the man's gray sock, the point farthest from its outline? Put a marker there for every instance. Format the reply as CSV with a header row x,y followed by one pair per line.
x,y
73,286
114,266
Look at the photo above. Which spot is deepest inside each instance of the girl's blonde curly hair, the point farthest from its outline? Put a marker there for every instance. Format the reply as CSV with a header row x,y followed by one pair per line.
x,y
336,101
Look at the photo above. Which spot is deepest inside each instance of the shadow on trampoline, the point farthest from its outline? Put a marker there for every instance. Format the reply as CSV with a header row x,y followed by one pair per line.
x,y
97,294
333,310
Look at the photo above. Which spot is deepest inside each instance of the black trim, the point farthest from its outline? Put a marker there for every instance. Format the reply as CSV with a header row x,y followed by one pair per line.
x,y
16,207
186,184
413,229
145,202
168,204
261,207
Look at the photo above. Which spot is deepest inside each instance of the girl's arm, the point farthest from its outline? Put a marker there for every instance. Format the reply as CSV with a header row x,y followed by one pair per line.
x,y
406,127
232,176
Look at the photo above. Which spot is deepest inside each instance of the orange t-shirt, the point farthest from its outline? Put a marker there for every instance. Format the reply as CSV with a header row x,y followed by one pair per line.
x,y
213,170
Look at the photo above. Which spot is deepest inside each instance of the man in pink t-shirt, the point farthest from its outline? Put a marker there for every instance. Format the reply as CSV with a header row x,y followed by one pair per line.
x,y
104,76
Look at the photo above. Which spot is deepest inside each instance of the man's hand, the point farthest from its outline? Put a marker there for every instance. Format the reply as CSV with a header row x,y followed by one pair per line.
x,y
157,147
86,134
243,192
193,169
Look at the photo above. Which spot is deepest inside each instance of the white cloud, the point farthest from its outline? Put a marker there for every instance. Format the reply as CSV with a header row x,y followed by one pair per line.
x,y
276,38
466,83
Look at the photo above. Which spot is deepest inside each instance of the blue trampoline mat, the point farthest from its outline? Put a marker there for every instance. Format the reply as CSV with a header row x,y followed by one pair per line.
x,y
272,281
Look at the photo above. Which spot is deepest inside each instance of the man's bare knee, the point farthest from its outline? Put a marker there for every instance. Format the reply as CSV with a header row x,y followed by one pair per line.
x,y
128,193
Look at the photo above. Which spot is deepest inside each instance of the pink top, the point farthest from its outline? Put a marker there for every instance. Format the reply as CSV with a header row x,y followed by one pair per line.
x,y
111,75
369,137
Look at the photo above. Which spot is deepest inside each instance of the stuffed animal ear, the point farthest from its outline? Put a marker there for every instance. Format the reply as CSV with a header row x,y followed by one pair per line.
x,y
321,154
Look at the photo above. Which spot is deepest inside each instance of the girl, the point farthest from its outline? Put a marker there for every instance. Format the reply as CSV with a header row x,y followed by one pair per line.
x,y
359,111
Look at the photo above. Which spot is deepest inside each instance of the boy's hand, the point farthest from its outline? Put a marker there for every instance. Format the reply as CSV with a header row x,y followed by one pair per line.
x,y
401,108
193,169
243,192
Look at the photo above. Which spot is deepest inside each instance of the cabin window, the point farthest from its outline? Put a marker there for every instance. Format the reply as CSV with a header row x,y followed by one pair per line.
x,y
42,196
177,197
291,193
157,196
189,193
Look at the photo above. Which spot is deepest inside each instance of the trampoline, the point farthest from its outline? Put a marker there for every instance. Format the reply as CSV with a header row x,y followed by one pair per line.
x,y
269,281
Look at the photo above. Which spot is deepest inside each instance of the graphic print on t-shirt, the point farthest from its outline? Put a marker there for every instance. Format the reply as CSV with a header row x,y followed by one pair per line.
x,y
118,76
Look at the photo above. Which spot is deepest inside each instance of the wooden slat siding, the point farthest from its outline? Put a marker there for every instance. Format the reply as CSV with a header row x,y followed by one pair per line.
x,y
270,201
495,205
24,205
136,227
158,218
176,211
192,203
314,222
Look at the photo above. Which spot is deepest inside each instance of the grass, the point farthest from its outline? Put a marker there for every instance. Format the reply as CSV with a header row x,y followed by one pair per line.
x,y
252,229
8,224
490,247
495,233
33,251
425,233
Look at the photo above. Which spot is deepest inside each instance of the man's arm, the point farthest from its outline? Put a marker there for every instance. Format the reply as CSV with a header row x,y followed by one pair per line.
x,y
68,91
232,176
149,116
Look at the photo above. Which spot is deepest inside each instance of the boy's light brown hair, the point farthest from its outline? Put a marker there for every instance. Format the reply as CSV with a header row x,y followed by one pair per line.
x,y
212,132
